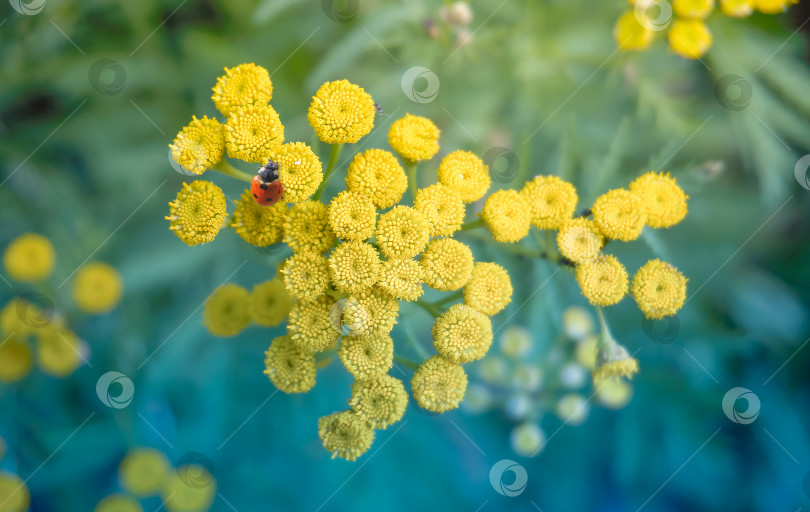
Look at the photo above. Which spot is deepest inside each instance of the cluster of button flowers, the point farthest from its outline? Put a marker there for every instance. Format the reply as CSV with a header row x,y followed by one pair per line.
x,y
687,34
30,323
356,257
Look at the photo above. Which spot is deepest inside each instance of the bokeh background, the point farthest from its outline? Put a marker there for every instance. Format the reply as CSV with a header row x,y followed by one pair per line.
x,y
93,92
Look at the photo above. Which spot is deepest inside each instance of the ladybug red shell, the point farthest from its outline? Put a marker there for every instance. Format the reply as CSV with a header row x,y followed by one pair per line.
x,y
267,190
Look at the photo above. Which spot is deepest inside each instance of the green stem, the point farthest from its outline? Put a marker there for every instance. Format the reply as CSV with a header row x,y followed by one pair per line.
x,y
228,170
605,337
334,154
405,362
410,171
449,298
430,308
478,223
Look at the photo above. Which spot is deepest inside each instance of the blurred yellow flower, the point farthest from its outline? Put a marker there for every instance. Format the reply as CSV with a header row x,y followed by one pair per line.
x,y
414,138
118,503
377,174
402,232
664,201
29,258
290,368
352,216
144,471
227,310
619,214
366,357
97,288
379,400
22,317
252,131
448,264
462,334
15,359
439,385
341,112
306,275
307,228
345,434
552,201
614,393
191,488
489,289
603,281
256,224
270,303
441,207
200,145
465,173
299,170
198,212
689,38
773,6
737,8
693,8
245,84
13,493
579,240
507,215
659,289
354,266
631,34
58,350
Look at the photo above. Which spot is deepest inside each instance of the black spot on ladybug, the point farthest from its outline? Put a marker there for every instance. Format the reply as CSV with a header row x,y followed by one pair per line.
x,y
254,195
263,186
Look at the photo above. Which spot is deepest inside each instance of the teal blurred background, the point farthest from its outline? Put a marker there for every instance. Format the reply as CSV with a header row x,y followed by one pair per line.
x,y
537,89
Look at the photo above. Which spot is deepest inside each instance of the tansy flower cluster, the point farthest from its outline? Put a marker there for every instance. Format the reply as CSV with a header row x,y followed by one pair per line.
x,y
687,32
146,472
32,330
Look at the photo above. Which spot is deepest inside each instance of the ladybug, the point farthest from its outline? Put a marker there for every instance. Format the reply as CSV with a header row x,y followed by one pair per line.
x,y
265,186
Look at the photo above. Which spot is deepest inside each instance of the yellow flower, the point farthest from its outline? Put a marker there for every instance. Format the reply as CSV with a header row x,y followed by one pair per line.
x,y
198,212
586,352
345,434
489,290
448,264
29,258
200,145
439,385
402,233
226,311
659,289
309,326
252,131
380,400
97,288
341,112
465,173
270,303
14,494
441,207
631,34
246,84
22,317
619,214
15,359
507,215
414,138
306,275
614,393
603,281
259,225
462,334
664,201
299,170
737,8
365,357
190,489
118,503
352,216
612,360
552,201
402,279
290,369
374,313
773,6
355,266
144,471
58,350
689,38
377,174
307,228
693,8
579,240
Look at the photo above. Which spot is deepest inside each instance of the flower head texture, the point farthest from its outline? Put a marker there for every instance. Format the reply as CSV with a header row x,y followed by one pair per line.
x,y
226,311
375,313
118,502
307,228
309,326
447,264
689,38
379,400
377,174
144,471
341,112
299,170
97,288
619,214
664,201
737,8
414,138
402,232
29,258
15,359
465,173
489,289
252,131
198,212
367,357
345,434
438,385
245,84
612,360
256,224
579,240
693,8
603,281
402,279
200,145
58,350
354,266
290,369
442,208
659,289
270,303
14,493
461,334
552,201
352,216
507,215
306,275
179,496
631,34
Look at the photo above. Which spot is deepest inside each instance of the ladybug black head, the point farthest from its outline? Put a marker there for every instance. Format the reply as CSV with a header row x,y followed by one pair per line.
x,y
269,171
